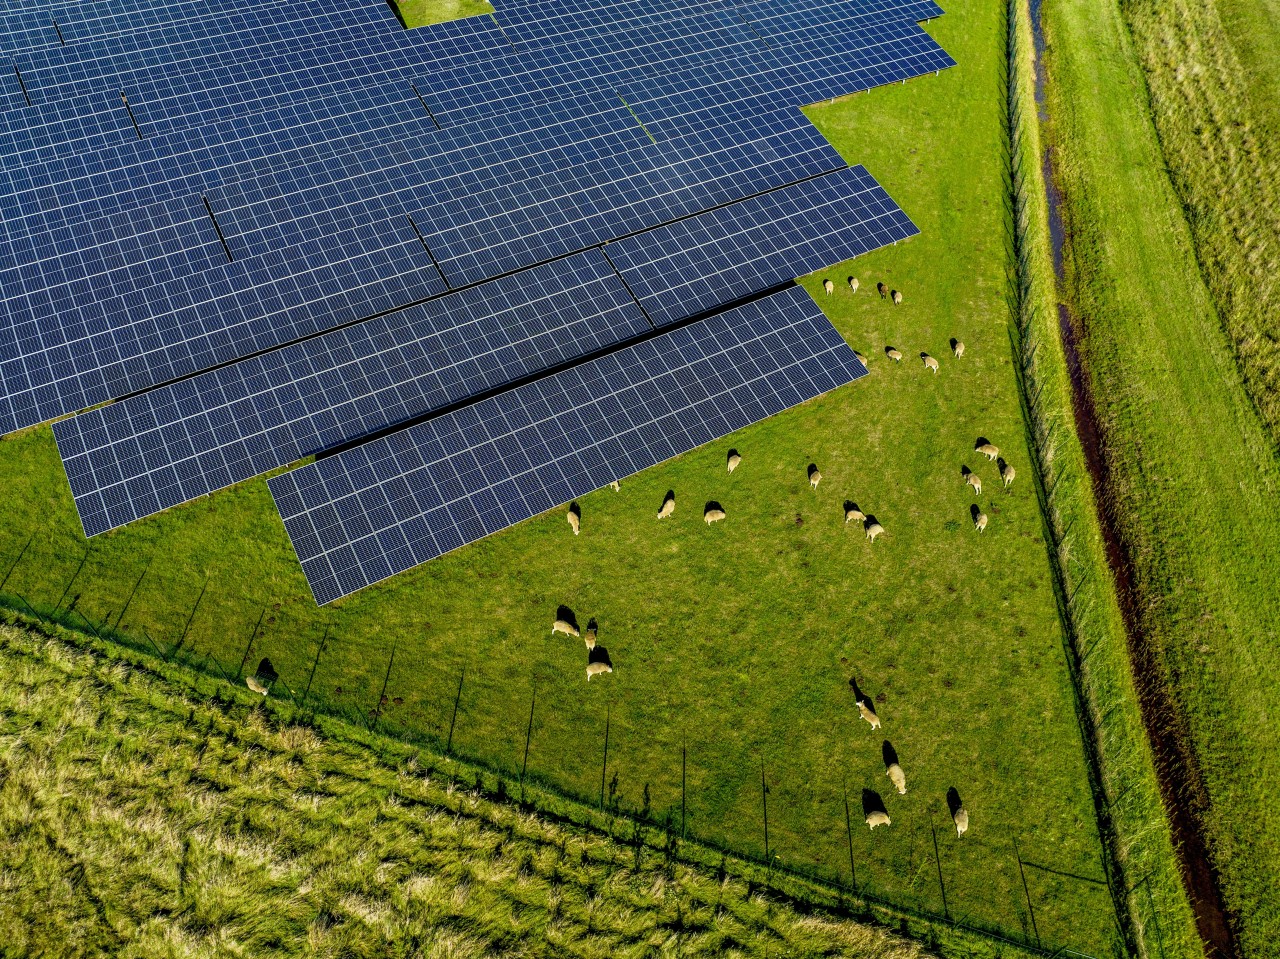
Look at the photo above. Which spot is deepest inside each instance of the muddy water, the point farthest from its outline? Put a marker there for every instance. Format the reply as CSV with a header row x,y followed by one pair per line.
x,y
1175,765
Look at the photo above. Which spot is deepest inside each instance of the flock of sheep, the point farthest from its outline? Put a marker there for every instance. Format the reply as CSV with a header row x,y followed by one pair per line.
x,y
598,660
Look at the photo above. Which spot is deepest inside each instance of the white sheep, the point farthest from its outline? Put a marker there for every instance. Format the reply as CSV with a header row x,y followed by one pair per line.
x,y
867,713
253,684
973,480
897,298
853,513
929,362
590,637
564,626
878,817
958,349
574,522
853,284
595,669
815,477
616,486
898,778
828,286
893,354
874,530
989,450
668,507
1008,473
980,522
961,819
734,460
712,516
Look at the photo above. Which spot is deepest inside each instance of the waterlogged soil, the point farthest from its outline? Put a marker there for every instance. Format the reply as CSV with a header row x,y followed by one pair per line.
x,y
1175,764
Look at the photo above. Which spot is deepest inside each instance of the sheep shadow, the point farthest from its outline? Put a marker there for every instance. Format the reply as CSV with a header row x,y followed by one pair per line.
x,y
953,343
882,290
859,696
592,624
953,801
888,754
668,497
850,507
568,615
871,803
889,351
980,442
599,655
266,673
711,505
870,521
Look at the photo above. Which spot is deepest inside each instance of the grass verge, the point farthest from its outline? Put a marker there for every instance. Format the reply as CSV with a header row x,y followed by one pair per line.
x,y
1191,478
1145,872
145,813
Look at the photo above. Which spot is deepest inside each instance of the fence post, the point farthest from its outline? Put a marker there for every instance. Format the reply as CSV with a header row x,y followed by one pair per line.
x,y
72,581
377,709
1031,911
190,619
604,764
848,829
314,664
4,582
937,856
528,735
448,746
134,592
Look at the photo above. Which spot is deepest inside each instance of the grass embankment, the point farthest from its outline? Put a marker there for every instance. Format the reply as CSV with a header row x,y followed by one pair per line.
x,y
1191,477
1145,869
1212,75
422,13
737,641
140,817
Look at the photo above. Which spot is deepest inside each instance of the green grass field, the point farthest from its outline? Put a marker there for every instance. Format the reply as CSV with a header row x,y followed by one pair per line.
x,y
738,641
1193,479
136,820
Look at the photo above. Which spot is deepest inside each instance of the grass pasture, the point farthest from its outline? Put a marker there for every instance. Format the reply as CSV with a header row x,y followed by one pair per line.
x,y
735,642
1192,478
139,821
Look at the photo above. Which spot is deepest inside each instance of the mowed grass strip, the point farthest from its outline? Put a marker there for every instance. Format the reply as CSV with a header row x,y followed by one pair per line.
x,y
1193,481
135,821
737,642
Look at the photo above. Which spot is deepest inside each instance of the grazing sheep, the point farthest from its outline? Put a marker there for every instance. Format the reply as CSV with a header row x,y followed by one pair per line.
x,y
615,486
929,362
878,818
574,522
713,515
980,522
253,684
874,530
972,480
989,450
668,506
882,290
898,778
595,669
958,349
564,626
815,476
828,286
897,297
1007,474
867,713
853,284
590,638
859,357
734,460
961,819
851,513
893,354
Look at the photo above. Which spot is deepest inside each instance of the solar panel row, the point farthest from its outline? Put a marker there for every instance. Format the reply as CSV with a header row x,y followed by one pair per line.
x,y
388,505
188,439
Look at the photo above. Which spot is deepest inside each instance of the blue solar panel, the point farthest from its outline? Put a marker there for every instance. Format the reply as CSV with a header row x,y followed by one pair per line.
x,y
392,503
166,446
685,268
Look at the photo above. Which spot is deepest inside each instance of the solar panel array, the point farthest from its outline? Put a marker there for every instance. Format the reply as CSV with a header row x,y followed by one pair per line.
x,y
396,502
259,232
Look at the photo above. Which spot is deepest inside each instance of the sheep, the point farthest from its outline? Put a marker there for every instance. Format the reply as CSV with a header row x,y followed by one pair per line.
x,y
893,354
882,290
574,521
828,286
897,297
253,684
980,522
1007,474
961,819
853,284
874,530
564,626
851,513
898,778
668,506
712,515
859,357
590,638
929,362
972,480
615,486
878,817
815,476
957,348
734,460
867,713
595,669
989,450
